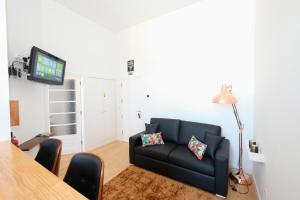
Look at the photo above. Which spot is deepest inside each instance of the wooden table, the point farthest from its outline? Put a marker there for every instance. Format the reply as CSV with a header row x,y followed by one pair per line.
x,y
23,178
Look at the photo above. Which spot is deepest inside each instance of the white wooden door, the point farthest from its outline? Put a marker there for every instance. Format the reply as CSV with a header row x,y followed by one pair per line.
x,y
134,106
64,114
99,112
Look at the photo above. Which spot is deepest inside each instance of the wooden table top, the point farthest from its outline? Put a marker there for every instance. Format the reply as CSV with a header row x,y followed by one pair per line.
x,y
23,178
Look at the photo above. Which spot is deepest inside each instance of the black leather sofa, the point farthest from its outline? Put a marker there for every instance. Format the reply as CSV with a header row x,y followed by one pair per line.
x,y
175,160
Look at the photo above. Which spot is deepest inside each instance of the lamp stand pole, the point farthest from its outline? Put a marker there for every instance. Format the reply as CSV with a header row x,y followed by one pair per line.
x,y
239,176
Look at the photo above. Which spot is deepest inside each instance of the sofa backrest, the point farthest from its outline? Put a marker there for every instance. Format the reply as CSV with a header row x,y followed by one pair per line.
x,y
168,127
189,129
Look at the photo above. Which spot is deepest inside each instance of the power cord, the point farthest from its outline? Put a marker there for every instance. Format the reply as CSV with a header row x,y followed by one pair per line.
x,y
233,185
19,67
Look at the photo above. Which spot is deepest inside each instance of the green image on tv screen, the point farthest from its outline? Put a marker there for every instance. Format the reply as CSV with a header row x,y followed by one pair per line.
x,y
47,68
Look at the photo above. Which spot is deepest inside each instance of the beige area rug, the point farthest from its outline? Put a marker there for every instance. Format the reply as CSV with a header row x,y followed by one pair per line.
x,y
138,184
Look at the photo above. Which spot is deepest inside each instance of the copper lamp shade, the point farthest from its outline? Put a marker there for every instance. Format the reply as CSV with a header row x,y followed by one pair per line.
x,y
225,96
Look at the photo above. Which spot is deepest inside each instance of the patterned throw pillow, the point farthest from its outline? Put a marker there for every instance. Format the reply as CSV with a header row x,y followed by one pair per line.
x,y
197,147
152,139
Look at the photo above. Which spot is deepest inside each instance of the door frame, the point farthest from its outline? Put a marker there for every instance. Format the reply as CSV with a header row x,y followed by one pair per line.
x,y
4,101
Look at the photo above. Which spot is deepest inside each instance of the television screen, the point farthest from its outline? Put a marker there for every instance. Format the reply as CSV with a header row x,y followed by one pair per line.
x,y
46,68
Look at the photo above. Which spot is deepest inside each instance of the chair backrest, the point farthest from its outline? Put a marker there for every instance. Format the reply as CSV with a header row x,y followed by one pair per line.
x,y
49,155
85,174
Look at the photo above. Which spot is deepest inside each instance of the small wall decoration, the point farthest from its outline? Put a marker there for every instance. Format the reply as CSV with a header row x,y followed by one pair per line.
x,y
14,113
130,67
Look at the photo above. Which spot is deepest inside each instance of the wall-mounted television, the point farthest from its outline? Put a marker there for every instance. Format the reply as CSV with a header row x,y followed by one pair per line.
x,y
46,68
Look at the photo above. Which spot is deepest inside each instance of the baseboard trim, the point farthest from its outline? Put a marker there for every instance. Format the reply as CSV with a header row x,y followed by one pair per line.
x,y
124,140
101,144
256,188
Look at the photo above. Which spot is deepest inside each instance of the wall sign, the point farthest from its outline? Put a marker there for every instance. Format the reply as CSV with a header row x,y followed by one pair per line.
x,y
130,67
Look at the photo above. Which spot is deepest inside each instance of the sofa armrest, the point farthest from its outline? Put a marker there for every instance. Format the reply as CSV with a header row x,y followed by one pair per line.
x,y
134,141
221,168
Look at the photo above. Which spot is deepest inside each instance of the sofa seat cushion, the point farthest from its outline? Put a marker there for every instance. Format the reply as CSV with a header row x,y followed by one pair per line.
x,y
159,152
183,157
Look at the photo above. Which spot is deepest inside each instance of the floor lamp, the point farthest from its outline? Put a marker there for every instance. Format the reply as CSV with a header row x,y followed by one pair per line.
x,y
226,97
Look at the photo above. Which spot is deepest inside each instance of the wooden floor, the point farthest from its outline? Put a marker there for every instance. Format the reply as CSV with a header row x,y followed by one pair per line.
x,y
115,156
116,159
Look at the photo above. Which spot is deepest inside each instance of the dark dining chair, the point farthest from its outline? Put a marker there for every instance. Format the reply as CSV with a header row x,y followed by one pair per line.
x,y
49,155
85,174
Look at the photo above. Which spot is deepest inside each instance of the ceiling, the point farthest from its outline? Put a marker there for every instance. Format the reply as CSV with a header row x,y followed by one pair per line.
x,y
120,14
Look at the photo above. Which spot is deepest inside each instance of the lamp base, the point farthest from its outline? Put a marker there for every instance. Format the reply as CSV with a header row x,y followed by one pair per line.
x,y
240,177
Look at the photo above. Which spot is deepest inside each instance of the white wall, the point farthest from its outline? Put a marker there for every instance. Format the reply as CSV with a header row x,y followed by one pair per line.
x,y
87,48
4,106
24,19
182,58
277,108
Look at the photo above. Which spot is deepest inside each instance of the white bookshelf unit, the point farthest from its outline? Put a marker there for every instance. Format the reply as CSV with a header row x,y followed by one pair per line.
x,y
63,111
